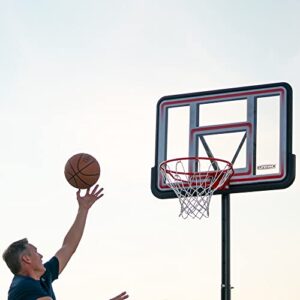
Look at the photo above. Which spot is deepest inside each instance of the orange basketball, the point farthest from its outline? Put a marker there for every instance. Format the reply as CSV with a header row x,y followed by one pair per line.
x,y
82,171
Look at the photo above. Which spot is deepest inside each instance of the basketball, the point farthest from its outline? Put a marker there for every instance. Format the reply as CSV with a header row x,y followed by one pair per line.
x,y
82,171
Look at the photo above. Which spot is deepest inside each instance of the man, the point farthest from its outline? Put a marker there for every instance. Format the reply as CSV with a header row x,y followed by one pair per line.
x,y
33,280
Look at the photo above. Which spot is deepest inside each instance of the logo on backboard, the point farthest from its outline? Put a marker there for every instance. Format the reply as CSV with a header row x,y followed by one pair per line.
x,y
266,167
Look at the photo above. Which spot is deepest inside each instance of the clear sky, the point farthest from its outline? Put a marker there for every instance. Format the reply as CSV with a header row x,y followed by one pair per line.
x,y
85,76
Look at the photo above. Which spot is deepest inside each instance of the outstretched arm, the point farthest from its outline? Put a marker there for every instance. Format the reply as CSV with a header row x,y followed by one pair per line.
x,y
75,233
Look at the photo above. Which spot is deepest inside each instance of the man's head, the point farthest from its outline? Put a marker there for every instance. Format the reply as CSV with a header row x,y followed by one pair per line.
x,y
23,258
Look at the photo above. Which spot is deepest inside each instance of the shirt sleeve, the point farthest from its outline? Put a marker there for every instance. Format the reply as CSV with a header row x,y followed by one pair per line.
x,y
27,289
52,269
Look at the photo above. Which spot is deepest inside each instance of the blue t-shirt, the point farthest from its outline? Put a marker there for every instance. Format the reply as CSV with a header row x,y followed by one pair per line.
x,y
27,288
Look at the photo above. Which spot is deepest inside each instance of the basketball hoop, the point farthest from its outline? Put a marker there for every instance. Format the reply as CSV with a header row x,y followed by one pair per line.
x,y
194,180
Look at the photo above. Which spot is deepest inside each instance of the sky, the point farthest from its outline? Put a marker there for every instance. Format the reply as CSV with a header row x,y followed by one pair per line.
x,y
85,76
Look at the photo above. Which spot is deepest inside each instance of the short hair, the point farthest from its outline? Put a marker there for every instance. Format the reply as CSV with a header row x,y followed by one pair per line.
x,y
12,255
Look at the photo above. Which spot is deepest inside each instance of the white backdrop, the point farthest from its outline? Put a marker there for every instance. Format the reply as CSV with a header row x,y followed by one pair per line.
x,y
85,76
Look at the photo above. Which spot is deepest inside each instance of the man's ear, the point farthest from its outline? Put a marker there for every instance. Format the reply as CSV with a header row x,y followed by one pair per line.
x,y
26,259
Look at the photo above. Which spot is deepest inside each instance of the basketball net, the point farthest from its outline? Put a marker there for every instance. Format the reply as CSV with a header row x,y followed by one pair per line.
x,y
194,189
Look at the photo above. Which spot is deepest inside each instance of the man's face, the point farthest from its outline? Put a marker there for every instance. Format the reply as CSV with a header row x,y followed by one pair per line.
x,y
35,259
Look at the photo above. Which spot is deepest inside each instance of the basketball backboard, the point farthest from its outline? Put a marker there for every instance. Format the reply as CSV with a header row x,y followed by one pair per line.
x,y
251,127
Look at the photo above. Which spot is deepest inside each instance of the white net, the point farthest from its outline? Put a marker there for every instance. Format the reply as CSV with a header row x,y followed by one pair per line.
x,y
195,188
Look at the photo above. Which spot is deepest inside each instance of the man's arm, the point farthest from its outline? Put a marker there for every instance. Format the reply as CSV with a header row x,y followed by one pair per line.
x,y
44,298
75,233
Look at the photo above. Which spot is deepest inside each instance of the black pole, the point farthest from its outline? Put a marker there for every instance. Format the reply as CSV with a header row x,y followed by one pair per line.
x,y
225,288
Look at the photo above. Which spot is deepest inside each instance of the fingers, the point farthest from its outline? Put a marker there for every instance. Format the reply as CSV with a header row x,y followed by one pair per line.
x,y
95,188
94,191
97,193
90,196
122,296
86,192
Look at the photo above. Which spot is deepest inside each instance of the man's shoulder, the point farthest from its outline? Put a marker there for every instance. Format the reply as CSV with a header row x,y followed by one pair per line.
x,y
23,286
21,280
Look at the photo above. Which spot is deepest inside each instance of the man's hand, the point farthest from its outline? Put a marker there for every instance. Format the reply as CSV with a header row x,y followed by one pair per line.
x,y
89,198
122,296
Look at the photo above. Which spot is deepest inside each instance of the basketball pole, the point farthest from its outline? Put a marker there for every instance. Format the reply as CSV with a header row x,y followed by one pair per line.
x,y
226,287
